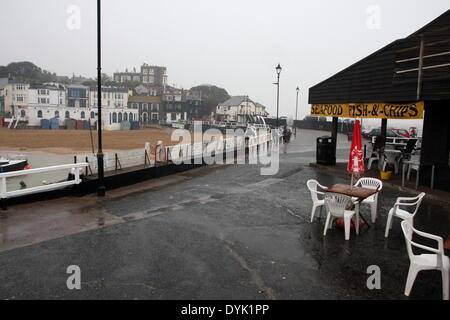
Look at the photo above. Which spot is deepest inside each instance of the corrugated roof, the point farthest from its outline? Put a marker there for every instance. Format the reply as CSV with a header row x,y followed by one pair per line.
x,y
374,77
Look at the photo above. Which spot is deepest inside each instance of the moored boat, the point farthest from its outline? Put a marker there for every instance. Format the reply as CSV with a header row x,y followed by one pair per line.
x,y
13,165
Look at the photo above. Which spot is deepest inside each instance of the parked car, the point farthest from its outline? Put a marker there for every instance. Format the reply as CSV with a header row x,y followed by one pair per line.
x,y
401,132
377,132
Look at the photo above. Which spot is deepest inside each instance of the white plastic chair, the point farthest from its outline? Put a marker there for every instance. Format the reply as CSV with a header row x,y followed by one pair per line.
x,y
413,166
312,186
375,184
435,261
337,207
391,158
374,156
401,213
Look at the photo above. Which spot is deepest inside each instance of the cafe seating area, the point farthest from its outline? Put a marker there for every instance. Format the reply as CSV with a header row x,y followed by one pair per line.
x,y
343,202
393,155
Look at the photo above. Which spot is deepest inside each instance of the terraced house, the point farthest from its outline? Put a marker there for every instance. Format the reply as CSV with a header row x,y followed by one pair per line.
x,y
149,107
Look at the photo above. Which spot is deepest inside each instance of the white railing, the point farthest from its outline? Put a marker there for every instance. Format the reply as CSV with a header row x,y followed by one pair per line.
x,y
4,193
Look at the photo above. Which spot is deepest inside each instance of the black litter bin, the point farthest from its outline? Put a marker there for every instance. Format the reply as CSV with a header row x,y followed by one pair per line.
x,y
325,151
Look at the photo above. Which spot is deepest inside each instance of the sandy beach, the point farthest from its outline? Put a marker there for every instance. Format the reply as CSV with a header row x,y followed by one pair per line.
x,y
78,141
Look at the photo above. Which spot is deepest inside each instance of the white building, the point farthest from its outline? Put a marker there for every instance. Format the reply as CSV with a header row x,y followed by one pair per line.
x,y
238,108
15,94
36,102
44,102
114,106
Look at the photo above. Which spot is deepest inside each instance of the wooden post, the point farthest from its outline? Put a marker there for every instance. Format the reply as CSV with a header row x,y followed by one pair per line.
x,y
383,132
334,131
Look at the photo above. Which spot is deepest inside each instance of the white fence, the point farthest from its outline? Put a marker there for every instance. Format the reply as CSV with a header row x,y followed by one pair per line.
x,y
75,168
152,155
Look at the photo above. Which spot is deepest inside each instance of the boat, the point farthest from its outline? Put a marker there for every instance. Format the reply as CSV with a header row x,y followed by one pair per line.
x,y
7,165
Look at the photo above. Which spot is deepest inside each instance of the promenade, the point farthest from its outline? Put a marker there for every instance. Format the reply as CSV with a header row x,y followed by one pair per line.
x,y
216,232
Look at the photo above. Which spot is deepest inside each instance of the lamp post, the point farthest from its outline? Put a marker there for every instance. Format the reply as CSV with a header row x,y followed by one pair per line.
x,y
101,174
278,69
296,109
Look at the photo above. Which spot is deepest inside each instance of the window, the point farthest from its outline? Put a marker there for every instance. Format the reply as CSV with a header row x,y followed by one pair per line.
x,y
71,103
92,115
120,117
125,116
39,114
114,117
67,115
82,114
173,116
83,103
130,117
22,113
20,98
56,114
154,116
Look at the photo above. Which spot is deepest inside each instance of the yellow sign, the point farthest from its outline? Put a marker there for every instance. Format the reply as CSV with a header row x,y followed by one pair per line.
x,y
370,110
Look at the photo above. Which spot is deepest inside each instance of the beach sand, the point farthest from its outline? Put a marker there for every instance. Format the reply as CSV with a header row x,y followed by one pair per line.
x,y
78,141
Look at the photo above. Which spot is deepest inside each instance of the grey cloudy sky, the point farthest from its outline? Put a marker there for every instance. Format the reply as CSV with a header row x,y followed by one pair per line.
x,y
235,44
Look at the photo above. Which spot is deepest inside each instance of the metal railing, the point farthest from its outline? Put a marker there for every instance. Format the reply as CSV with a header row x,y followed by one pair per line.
x,y
77,168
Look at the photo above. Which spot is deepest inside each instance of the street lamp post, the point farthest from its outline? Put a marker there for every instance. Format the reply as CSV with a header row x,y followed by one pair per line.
x,y
296,109
101,174
278,69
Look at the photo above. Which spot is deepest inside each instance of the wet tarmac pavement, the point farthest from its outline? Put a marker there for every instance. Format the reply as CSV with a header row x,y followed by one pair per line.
x,y
213,233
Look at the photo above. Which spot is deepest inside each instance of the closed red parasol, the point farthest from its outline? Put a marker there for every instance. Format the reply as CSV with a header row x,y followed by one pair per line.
x,y
355,161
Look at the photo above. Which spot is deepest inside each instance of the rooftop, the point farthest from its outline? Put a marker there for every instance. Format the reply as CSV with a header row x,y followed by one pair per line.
x,y
234,101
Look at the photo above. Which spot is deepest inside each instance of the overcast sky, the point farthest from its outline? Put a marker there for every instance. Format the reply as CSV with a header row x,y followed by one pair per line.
x,y
235,44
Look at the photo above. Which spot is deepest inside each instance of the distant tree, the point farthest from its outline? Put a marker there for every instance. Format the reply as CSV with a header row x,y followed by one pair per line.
x,y
26,71
211,96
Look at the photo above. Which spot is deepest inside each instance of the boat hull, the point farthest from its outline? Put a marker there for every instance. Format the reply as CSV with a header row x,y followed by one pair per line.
x,y
15,166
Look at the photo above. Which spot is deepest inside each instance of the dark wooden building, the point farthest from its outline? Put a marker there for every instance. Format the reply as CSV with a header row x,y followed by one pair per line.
x,y
416,68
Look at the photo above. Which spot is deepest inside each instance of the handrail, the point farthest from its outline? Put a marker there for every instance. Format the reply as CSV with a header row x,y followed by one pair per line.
x,y
43,169
4,193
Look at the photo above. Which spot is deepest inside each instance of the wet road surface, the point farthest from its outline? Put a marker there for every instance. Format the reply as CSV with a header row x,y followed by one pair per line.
x,y
213,233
